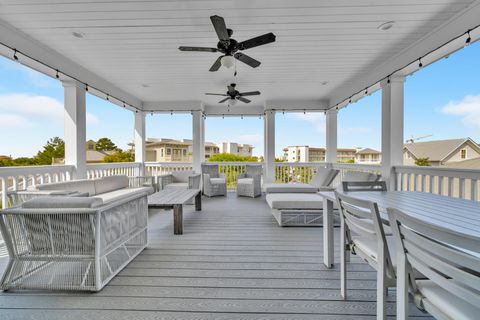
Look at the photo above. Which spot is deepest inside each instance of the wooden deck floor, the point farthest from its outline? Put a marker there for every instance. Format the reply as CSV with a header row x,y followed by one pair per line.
x,y
232,262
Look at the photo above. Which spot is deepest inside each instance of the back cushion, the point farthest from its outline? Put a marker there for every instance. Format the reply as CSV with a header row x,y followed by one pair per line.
x,y
84,186
110,183
182,176
356,176
320,178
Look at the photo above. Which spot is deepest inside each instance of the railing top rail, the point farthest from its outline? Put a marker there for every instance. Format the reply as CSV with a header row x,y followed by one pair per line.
x,y
292,164
356,165
439,171
6,172
113,165
233,163
171,164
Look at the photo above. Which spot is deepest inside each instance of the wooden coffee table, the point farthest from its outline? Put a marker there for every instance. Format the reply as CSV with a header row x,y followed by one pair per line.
x,y
175,198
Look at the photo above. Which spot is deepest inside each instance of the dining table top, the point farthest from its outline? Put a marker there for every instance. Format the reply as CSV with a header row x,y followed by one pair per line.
x,y
456,214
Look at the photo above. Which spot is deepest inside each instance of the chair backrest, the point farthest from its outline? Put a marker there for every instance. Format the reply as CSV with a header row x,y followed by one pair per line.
x,y
253,170
324,177
211,169
363,219
349,186
448,258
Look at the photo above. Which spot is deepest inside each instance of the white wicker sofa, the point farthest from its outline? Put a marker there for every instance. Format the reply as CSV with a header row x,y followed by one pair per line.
x,y
74,242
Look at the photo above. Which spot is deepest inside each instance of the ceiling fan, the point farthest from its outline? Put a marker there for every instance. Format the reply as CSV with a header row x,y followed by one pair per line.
x,y
230,47
233,95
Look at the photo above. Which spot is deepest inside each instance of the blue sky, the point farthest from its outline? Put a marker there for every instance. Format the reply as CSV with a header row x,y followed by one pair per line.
x,y
442,99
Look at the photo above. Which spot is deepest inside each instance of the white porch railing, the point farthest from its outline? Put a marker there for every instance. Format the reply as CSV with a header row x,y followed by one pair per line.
x,y
346,167
231,170
156,169
288,172
19,178
99,170
459,183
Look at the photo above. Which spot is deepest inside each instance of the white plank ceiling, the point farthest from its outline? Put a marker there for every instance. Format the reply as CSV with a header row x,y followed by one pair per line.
x,y
321,45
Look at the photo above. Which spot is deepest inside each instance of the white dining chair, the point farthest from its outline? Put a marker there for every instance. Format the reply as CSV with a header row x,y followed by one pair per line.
x,y
362,234
448,259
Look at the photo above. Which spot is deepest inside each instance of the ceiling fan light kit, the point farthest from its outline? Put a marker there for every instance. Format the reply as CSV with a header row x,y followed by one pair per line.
x,y
227,61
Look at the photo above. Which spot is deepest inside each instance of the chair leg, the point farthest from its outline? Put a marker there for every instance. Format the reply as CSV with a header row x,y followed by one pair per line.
x,y
343,261
381,290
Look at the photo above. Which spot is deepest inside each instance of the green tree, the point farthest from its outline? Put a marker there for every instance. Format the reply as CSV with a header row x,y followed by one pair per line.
x,y
120,156
55,148
423,162
230,157
105,144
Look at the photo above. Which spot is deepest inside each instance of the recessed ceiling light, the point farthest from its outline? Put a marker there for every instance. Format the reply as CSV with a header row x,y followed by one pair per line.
x,y
145,85
78,34
324,83
386,26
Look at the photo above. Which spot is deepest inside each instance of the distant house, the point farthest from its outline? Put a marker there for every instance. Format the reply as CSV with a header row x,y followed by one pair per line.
x,y
93,155
441,152
315,154
2,157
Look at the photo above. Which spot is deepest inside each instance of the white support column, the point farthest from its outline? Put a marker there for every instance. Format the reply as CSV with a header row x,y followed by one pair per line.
x,y
139,140
75,127
392,127
331,136
269,146
198,132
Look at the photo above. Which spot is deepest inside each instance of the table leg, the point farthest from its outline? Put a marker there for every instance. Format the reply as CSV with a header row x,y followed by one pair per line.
x,y
328,232
198,202
178,219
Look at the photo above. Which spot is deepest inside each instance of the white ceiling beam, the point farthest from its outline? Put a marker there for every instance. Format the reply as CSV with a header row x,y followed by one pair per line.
x,y
300,105
459,24
237,110
173,106
16,39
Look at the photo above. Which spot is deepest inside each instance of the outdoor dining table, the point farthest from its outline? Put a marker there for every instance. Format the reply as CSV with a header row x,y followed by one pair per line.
x,y
456,214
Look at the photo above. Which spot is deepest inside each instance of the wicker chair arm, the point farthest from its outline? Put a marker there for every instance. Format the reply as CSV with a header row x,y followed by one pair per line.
x,y
194,181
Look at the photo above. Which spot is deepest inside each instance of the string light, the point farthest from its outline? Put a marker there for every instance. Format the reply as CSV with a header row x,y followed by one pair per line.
x,y
86,87
366,90
108,98
15,54
388,80
469,39
420,64
241,116
124,104
57,75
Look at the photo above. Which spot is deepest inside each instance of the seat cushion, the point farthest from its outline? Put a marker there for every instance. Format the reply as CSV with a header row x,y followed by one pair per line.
x,y
110,183
369,247
289,188
182,176
449,304
62,202
245,181
121,194
295,201
183,185
218,180
83,186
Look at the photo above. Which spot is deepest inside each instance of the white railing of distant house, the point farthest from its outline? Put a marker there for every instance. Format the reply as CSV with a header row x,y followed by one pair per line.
x,y
99,170
458,183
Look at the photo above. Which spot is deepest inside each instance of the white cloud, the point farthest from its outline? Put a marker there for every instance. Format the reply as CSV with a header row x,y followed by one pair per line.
x,y
468,108
315,118
14,121
34,107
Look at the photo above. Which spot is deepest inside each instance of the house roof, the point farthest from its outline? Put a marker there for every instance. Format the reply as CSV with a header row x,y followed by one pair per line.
x,y
95,156
436,150
368,151
465,164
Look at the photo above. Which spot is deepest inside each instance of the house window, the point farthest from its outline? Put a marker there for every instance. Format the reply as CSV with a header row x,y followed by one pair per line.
x,y
184,152
463,153
169,151
161,152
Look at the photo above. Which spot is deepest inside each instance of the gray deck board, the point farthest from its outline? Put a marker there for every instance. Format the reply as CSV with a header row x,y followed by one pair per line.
x,y
232,262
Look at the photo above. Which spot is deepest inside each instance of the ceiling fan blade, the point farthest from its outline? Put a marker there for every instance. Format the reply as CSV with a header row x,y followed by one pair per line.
x,y
220,28
216,65
247,60
243,99
250,93
201,49
217,94
257,41
223,100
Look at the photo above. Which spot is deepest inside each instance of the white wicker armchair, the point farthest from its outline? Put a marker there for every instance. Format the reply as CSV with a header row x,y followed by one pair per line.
x,y
249,184
214,183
